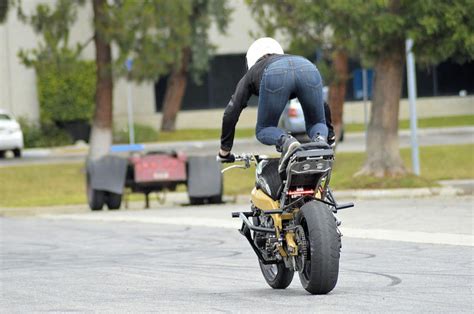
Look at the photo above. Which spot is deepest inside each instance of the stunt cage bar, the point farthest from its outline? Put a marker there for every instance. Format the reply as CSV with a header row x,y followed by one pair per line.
x,y
247,225
332,202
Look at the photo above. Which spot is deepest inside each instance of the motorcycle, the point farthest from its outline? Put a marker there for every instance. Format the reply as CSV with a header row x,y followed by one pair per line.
x,y
292,226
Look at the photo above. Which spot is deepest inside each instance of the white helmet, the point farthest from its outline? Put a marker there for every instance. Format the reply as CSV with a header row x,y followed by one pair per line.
x,y
261,47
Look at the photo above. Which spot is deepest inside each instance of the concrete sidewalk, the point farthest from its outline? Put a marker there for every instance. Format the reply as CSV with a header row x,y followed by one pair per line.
x,y
436,220
448,189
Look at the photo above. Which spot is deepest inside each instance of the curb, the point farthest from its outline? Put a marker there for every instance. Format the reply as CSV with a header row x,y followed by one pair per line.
x,y
181,199
399,193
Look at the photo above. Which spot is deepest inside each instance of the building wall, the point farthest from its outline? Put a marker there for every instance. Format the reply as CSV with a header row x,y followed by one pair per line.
x,y
236,41
17,83
238,38
353,112
18,92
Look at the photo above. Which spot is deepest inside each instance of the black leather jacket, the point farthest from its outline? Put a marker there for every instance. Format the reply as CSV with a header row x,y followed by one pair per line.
x,y
249,85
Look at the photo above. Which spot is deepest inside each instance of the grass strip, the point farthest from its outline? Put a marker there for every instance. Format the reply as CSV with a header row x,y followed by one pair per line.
x,y
201,134
437,163
214,134
63,184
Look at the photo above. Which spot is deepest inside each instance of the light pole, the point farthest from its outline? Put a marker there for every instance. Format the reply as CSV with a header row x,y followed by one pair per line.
x,y
411,81
365,97
131,129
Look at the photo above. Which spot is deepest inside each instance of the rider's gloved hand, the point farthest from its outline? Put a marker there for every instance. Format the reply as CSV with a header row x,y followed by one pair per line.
x,y
224,156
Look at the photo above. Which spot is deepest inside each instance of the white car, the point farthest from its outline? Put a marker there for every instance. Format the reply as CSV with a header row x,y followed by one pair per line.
x,y
292,119
11,136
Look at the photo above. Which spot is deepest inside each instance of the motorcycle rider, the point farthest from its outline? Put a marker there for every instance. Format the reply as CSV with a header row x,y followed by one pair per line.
x,y
276,77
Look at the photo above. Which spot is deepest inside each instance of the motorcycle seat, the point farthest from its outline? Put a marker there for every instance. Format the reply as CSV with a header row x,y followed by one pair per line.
x,y
268,180
313,145
314,149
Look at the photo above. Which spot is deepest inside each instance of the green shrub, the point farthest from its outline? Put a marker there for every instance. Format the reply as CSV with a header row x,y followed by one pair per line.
x,y
46,135
143,134
66,90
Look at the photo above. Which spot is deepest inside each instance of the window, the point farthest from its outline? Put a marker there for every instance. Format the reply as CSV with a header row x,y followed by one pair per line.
x,y
218,85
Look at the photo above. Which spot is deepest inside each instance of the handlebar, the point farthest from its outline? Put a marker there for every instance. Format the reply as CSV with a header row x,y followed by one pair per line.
x,y
247,158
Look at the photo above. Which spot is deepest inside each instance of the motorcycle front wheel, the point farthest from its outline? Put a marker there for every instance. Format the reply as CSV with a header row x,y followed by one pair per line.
x,y
277,275
321,267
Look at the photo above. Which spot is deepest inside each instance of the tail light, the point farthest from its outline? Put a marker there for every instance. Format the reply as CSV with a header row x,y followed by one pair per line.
x,y
292,112
300,192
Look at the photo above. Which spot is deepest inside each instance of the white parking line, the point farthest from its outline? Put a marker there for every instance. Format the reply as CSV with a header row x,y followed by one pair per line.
x,y
375,234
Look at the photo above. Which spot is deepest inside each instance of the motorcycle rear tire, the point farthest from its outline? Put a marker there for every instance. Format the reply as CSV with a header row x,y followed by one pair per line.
x,y
321,268
277,275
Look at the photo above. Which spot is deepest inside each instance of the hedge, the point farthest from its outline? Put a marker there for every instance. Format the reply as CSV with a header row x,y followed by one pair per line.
x,y
66,90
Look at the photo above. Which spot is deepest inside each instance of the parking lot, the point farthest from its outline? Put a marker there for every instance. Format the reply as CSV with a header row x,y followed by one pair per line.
x,y
192,259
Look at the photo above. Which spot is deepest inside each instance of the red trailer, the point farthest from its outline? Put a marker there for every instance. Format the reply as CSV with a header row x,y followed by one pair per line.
x,y
107,178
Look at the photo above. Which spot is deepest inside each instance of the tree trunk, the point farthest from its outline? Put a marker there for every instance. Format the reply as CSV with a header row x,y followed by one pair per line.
x,y
4,4
101,135
383,155
175,92
337,89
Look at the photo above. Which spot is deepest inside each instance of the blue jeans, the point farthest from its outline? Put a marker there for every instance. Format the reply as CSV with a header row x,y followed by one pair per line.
x,y
290,76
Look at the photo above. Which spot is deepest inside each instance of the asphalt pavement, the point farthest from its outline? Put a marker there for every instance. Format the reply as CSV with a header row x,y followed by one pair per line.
x,y
398,256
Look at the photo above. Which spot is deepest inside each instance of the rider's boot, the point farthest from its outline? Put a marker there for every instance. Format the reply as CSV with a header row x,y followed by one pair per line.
x,y
331,139
319,139
288,146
